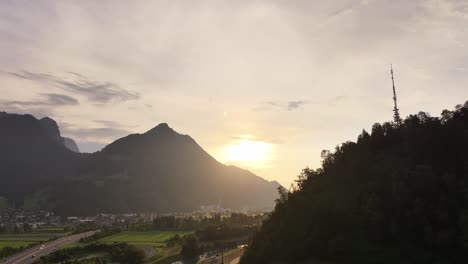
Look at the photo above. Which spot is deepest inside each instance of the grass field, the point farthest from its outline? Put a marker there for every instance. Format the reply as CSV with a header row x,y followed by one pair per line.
x,y
151,238
155,239
18,240
14,244
49,230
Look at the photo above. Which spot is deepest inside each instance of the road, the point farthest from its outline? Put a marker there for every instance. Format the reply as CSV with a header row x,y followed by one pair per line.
x,y
32,254
235,261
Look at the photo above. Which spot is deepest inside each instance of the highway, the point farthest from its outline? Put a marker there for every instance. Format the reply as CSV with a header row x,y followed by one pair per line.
x,y
30,255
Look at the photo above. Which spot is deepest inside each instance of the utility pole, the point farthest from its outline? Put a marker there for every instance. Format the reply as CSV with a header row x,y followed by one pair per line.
x,y
222,254
396,111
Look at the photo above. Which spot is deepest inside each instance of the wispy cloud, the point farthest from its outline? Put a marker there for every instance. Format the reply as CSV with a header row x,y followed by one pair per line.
x,y
337,99
95,91
287,106
340,11
48,99
107,123
320,51
100,132
95,137
93,134
293,105
297,104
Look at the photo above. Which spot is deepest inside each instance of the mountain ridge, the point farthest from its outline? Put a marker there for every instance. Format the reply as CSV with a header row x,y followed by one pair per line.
x,y
159,170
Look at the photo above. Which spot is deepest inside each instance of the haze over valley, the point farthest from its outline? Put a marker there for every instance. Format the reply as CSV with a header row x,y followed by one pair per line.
x,y
234,132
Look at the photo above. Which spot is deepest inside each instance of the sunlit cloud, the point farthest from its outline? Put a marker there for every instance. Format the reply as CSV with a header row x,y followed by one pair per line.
x,y
310,74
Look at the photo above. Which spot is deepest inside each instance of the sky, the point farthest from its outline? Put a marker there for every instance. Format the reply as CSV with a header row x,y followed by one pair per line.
x,y
265,85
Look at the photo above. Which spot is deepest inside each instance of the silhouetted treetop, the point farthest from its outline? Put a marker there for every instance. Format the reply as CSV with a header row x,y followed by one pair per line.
x,y
397,195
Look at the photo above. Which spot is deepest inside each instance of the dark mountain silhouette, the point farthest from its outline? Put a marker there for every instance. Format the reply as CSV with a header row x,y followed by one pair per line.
x,y
397,195
31,155
160,170
52,131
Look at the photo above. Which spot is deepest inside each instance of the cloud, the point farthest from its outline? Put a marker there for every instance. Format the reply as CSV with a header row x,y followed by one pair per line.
x,y
113,124
49,99
93,134
275,105
293,105
37,111
296,104
60,99
341,11
41,107
100,132
94,137
107,123
95,91
337,99
314,50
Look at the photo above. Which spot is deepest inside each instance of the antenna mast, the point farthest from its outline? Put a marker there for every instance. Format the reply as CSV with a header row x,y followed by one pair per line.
x,y
396,111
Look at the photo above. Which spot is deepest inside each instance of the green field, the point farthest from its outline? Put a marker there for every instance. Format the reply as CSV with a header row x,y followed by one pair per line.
x,y
154,239
19,240
14,244
151,238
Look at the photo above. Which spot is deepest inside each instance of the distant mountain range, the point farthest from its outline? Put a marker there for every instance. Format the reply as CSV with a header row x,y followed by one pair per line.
x,y
158,171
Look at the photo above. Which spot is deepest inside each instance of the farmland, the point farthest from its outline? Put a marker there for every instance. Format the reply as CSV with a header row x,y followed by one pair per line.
x,y
150,238
24,239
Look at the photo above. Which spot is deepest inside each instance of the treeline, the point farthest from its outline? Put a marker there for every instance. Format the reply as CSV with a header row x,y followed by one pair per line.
x,y
103,232
397,195
212,238
25,228
195,223
216,233
119,253
224,232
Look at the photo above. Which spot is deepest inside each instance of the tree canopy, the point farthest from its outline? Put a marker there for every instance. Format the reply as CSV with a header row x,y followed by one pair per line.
x,y
397,195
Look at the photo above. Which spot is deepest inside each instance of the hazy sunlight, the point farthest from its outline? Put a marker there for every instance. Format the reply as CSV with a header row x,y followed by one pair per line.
x,y
250,152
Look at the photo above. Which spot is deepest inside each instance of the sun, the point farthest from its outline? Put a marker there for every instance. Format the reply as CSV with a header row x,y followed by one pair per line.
x,y
249,152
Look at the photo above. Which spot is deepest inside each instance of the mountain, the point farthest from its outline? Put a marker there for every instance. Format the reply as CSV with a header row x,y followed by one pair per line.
x,y
162,170
157,171
397,195
52,130
31,155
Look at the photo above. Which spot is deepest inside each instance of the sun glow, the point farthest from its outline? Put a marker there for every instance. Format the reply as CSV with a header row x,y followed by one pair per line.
x,y
249,152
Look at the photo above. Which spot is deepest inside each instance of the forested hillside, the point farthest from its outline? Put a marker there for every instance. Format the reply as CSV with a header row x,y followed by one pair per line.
x,y
397,195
